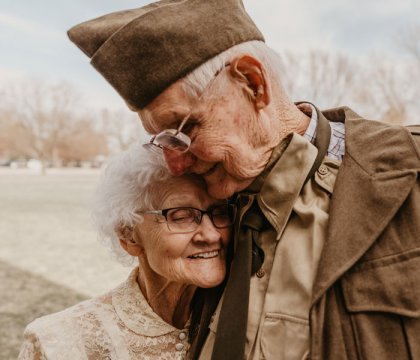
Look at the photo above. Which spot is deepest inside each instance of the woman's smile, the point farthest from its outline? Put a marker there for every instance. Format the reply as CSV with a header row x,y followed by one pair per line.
x,y
205,255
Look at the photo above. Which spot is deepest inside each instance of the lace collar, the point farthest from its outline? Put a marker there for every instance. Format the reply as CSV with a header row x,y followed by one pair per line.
x,y
135,312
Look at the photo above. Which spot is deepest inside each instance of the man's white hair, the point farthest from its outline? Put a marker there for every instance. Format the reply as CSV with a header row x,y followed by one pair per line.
x,y
129,183
195,82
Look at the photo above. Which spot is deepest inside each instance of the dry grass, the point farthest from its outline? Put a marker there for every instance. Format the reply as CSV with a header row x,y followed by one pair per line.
x,y
49,255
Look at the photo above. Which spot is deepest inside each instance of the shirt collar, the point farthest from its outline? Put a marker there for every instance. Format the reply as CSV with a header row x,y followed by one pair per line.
x,y
336,148
310,110
283,178
135,312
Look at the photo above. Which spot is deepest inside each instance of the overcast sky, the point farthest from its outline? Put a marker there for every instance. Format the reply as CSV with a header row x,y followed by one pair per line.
x,y
34,44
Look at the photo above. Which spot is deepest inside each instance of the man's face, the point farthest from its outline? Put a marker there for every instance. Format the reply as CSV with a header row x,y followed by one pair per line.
x,y
222,128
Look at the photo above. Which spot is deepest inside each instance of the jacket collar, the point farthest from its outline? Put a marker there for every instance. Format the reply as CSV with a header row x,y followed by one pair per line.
x,y
281,181
378,172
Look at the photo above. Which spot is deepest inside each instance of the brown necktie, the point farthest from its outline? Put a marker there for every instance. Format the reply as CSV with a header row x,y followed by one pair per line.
x,y
230,340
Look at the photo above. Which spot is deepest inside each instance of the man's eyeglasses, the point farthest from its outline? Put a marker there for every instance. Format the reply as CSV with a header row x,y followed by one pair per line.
x,y
170,139
188,219
175,139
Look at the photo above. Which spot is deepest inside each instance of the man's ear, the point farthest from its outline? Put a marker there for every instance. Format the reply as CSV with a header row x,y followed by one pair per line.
x,y
249,70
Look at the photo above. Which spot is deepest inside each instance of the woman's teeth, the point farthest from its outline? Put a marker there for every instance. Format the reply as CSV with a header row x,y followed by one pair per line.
x,y
206,255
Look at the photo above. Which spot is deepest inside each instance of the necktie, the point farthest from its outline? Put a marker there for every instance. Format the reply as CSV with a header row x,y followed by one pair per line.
x,y
230,340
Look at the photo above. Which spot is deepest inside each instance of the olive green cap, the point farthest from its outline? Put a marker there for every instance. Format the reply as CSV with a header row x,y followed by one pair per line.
x,y
140,52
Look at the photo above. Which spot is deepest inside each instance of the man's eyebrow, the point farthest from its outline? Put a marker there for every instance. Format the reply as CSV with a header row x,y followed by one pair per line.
x,y
170,116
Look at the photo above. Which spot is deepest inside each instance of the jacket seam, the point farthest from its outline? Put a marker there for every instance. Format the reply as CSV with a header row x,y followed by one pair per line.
x,y
359,165
368,264
413,143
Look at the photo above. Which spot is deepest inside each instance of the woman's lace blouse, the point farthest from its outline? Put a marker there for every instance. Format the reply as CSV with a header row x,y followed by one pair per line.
x,y
118,325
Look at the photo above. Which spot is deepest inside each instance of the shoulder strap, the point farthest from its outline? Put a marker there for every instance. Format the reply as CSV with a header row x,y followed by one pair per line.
x,y
414,129
415,132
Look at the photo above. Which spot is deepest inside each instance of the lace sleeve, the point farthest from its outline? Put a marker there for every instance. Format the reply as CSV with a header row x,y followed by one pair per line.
x,y
31,348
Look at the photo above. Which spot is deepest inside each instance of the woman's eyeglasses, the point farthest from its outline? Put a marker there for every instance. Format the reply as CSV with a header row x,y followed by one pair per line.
x,y
188,219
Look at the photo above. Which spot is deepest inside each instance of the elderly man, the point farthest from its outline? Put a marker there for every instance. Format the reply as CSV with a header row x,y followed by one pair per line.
x,y
327,242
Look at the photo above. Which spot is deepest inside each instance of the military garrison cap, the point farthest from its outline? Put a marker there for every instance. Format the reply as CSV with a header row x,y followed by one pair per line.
x,y
140,52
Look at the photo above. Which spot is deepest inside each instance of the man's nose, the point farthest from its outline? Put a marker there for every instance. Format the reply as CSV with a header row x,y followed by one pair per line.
x,y
178,162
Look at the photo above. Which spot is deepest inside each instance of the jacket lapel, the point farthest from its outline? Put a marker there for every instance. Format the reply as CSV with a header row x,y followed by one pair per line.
x,y
378,172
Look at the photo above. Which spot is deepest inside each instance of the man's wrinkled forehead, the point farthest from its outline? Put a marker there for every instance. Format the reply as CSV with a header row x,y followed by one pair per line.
x,y
167,110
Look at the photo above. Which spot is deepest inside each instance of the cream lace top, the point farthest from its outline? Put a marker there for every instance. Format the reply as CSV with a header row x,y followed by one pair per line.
x,y
118,325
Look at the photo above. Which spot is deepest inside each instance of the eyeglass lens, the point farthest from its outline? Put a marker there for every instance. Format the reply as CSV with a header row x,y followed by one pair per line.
x,y
188,219
170,141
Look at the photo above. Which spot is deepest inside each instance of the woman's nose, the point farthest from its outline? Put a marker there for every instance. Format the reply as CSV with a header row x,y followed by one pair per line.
x,y
178,162
208,232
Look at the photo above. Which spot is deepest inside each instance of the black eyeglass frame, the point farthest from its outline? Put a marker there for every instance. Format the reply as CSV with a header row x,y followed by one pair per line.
x,y
197,220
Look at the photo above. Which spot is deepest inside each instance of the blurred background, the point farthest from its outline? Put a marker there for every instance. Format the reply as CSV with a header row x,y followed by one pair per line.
x,y
60,122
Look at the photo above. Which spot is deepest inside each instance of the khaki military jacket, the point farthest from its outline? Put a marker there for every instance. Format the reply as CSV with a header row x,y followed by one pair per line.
x,y
366,295
365,301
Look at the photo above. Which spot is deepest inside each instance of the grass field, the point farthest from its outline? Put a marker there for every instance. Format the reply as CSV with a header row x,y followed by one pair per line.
x,y
49,255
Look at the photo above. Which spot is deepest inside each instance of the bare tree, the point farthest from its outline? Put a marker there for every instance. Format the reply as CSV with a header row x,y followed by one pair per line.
x,y
42,112
122,127
48,122
82,142
395,88
13,135
377,87
321,77
409,40
389,94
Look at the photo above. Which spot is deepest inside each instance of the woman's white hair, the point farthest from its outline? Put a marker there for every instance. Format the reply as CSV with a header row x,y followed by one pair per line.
x,y
128,184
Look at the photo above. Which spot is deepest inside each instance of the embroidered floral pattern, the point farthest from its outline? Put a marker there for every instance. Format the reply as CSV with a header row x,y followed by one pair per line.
x,y
118,325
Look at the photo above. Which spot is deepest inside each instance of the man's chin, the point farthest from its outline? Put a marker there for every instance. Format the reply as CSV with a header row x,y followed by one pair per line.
x,y
225,189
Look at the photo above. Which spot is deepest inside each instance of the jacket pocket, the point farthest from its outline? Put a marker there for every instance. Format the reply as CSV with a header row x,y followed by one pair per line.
x,y
390,284
382,299
284,337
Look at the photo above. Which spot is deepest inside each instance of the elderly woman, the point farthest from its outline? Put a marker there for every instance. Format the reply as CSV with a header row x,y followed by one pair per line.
x,y
176,233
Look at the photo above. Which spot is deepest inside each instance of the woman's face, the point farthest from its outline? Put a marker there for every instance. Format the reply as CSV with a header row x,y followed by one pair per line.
x,y
197,258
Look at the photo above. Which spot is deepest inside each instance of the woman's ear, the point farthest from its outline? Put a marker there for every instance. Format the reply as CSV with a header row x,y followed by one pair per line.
x,y
128,241
131,247
249,70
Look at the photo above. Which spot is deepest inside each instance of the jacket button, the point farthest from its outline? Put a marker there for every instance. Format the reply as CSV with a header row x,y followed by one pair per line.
x,y
323,170
260,273
182,336
179,347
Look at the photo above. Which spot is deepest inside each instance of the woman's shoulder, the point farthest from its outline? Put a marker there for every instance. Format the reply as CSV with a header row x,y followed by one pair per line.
x,y
74,314
88,315
65,331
